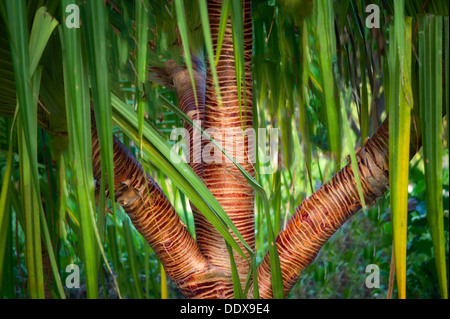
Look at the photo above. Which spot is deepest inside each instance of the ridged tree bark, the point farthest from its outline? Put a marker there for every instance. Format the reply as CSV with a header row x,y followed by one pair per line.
x,y
317,218
154,217
220,176
156,220
223,179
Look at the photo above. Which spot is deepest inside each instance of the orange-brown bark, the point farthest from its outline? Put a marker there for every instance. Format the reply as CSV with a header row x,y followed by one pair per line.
x,y
223,179
196,112
186,102
322,214
155,218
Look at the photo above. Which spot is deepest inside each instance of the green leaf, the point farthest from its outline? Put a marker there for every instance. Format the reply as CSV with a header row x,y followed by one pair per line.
x,y
142,29
400,105
4,199
209,46
76,88
127,231
27,86
184,34
324,19
351,147
222,27
95,34
43,27
431,98
237,30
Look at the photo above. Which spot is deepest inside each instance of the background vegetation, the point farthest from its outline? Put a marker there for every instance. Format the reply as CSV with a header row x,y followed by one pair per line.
x,y
308,56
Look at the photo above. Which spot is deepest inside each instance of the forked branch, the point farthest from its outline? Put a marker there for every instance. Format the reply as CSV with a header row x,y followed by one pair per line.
x,y
155,218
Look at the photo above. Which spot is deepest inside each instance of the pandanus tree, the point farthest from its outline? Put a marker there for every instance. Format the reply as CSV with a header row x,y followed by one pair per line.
x,y
307,67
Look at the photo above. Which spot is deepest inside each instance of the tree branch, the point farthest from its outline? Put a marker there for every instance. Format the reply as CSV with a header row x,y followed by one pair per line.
x,y
318,217
155,218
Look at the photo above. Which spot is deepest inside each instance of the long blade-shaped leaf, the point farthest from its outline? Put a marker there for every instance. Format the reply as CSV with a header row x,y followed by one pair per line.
x,y
324,16
128,234
76,87
184,34
4,199
43,26
430,83
222,27
237,29
142,28
351,147
400,105
98,57
27,84
209,46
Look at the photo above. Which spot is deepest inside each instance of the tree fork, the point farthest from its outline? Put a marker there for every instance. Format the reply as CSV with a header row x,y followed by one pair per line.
x,y
155,218
315,220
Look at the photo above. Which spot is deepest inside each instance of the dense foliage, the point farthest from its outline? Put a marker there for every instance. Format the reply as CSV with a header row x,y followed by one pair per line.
x,y
320,75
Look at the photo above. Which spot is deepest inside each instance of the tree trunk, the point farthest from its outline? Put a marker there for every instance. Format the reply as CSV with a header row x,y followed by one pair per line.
x,y
223,179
